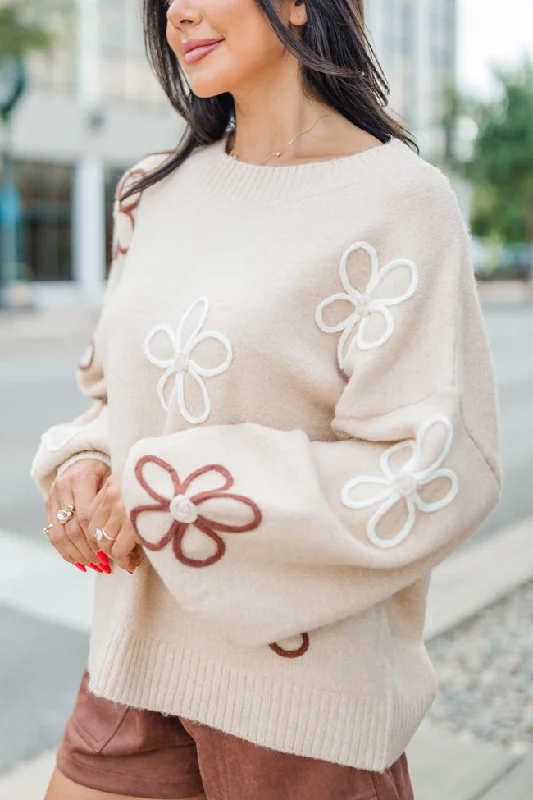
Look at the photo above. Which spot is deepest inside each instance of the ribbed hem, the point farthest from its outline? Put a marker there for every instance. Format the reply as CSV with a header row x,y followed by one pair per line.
x,y
363,732
263,185
96,455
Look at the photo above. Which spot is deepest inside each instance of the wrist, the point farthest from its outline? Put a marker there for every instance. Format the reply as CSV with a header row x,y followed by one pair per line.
x,y
96,455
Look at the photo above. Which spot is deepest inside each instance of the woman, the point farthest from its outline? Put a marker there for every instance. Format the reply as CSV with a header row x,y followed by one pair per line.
x,y
293,422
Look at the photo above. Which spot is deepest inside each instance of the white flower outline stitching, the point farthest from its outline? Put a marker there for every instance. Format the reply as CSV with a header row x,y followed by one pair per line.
x,y
181,362
364,305
405,484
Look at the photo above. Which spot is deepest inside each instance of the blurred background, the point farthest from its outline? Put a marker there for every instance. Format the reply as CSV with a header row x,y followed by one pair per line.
x,y
78,105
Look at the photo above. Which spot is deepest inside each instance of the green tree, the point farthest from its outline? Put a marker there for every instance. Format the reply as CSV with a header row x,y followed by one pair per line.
x,y
19,36
501,166
28,26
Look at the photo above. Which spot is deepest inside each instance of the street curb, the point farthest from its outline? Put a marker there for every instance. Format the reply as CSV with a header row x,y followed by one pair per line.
x,y
31,574
36,328
477,576
505,292
52,324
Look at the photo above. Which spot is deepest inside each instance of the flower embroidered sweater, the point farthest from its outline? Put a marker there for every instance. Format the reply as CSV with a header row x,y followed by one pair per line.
x,y
291,373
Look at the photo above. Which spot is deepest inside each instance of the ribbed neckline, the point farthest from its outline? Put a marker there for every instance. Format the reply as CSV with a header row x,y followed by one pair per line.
x,y
244,182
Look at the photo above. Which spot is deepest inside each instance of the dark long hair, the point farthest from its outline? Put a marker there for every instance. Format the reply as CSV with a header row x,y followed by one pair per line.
x,y
338,66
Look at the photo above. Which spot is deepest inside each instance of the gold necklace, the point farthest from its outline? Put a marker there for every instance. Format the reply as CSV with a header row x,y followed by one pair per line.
x,y
277,155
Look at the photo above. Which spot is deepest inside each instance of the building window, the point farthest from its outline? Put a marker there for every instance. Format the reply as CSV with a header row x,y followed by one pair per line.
x,y
53,71
46,225
124,64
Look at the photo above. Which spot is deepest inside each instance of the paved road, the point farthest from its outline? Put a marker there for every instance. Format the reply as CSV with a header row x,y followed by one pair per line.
x,y
511,338
43,652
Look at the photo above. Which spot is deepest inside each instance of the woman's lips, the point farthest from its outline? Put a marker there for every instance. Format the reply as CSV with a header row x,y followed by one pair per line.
x,y
199,52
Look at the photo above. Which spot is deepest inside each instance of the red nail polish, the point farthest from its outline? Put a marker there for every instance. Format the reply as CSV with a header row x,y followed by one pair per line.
x,y
103,557
96,568
80,566
106,569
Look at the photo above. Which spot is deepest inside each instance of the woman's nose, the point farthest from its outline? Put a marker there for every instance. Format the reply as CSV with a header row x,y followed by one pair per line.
x,y
179,11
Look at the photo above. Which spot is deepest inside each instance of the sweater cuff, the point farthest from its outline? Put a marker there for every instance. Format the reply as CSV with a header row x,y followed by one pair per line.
x,y
95,454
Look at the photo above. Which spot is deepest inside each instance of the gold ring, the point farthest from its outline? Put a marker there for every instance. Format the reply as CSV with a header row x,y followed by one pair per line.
x,y
48,527
64,515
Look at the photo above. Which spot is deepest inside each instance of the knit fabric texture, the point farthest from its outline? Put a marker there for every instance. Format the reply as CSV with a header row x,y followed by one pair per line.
x,y
291,372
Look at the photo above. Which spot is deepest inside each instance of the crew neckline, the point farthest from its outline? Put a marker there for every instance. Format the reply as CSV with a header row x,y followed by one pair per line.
x,y
223,146
245,182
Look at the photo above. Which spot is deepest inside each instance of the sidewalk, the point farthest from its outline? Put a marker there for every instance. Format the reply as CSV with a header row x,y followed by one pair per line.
x,y
443,766
448,767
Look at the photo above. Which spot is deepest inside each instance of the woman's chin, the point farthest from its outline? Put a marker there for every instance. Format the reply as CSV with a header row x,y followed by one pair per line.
x,y
207,89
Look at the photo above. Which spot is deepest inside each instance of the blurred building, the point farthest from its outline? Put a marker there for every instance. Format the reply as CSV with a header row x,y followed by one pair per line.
x,y
416,42
93,108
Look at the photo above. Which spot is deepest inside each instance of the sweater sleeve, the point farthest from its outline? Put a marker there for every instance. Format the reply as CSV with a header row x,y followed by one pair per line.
x,y
268,534
86,436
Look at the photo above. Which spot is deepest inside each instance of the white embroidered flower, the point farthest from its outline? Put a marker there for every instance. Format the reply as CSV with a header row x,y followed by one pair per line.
x,y
364,304
181,362
403,485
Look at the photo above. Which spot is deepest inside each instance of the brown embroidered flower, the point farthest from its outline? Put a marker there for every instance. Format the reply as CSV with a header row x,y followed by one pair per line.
x,y
280,651
125,220
186,510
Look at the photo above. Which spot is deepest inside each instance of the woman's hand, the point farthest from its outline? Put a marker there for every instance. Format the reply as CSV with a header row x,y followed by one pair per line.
x,y
107,512
77,486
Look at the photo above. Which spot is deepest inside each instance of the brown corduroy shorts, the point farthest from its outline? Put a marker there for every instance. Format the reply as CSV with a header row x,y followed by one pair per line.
x,y
113,748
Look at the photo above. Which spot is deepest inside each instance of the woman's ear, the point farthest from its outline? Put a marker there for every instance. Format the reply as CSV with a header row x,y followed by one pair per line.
x,y
298,17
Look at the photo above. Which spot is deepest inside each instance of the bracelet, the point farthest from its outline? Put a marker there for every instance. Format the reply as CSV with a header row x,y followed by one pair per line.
x,y
95,454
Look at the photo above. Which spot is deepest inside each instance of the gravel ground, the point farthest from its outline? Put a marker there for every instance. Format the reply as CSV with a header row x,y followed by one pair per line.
x,y
485,673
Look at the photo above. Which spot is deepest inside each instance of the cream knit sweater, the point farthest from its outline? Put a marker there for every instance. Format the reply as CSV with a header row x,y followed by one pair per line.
x,y
291,372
